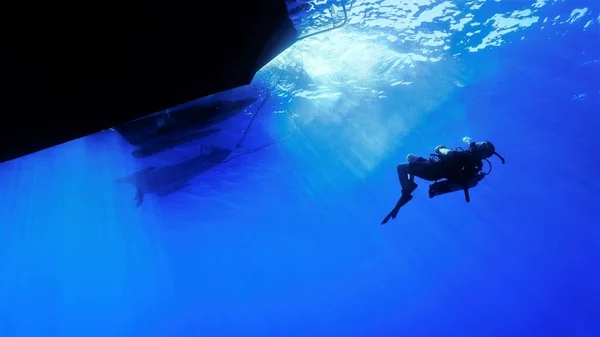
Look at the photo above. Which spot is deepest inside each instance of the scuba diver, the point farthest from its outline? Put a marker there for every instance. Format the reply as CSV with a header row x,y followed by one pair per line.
x,y
450,170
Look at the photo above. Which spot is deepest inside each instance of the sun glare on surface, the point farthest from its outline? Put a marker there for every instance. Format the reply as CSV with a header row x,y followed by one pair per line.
x,y
341,93
369,82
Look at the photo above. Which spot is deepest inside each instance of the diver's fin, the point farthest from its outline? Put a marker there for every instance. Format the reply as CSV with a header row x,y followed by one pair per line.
x,y
139,198
404,199
130,178
387,218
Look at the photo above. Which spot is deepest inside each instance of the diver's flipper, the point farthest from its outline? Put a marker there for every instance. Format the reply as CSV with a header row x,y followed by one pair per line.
x,y
404,199
387,218
139,198
134,176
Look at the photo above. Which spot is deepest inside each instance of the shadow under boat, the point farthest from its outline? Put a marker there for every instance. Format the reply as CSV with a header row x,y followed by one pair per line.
x,y
154,146
170,179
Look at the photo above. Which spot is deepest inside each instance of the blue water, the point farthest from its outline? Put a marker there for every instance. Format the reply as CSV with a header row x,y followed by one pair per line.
x,y
284,239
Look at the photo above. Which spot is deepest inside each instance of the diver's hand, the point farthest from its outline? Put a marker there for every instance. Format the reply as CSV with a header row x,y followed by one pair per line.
x,y
443,150
438,149
472,146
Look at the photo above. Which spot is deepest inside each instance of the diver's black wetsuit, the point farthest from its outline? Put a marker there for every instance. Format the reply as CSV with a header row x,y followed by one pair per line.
x,y
454,166
459,170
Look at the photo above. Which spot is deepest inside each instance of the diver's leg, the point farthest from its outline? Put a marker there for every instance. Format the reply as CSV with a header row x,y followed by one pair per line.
x,y
408,186
406,180
413,158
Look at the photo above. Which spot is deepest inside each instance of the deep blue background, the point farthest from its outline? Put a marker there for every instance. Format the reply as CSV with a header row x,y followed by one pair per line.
x,y
285,242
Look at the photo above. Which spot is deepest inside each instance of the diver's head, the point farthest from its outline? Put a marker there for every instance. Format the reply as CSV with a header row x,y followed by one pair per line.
x,y
484,149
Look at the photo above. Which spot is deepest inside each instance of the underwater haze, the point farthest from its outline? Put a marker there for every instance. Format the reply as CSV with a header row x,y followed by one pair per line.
x,y
267,221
